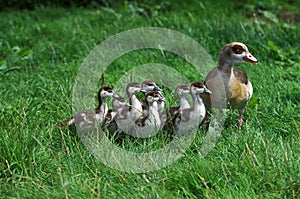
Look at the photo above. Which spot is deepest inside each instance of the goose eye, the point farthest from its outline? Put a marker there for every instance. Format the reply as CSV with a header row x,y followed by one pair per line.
x,y
237,49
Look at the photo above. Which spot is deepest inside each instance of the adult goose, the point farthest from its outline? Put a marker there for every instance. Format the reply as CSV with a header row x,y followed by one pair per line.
x,y
230,86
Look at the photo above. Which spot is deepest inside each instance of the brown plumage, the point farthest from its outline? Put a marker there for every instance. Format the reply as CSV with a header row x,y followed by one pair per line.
x,y
90,117
230,86
195,114
149,85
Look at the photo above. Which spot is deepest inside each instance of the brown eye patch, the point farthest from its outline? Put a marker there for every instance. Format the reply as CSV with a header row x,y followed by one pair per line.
x,y
237,49
197,84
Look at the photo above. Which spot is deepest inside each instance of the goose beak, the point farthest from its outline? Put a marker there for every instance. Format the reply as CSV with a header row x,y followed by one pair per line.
x,y
250,58
156,88
157,99
143,90
115,95
127,104
124,104
207,91
162,99
186,92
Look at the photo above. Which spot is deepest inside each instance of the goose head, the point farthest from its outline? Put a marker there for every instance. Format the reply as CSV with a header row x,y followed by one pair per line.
x,y
105,92
149,85
133,88
235,52
199,87
152,96
181,90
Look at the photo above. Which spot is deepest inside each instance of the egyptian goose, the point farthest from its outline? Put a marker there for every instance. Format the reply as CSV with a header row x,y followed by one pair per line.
x,y
90,117
150,124
120,111
118,104
171,113
181,90
194,115
135,108
230,86
149,85
128,115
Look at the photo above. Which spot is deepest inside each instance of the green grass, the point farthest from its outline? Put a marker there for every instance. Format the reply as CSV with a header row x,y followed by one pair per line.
x,y
40,55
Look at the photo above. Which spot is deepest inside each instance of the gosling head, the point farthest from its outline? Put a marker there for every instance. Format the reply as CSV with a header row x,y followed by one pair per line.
x,y
133,88
105,92
182,89
199,87
149,85
152,96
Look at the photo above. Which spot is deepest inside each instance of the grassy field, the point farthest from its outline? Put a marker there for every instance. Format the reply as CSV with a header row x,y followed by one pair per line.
x,y
40,55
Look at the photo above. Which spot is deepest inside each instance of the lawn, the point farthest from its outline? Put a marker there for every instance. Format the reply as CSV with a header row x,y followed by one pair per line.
x,y
42,51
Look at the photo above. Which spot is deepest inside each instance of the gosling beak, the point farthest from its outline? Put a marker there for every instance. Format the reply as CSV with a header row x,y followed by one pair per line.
x,y
123,104
127,104
162,99
156,88
143,90
207,91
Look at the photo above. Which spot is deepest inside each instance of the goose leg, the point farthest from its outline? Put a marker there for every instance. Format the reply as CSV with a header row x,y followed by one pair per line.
x,y
240,120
